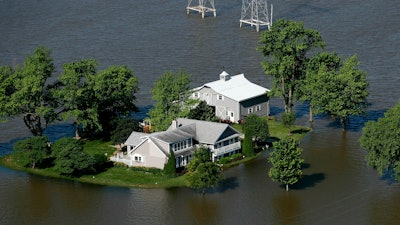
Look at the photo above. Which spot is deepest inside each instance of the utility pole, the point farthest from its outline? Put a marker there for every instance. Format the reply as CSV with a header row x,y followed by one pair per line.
x,y
203,7
255,13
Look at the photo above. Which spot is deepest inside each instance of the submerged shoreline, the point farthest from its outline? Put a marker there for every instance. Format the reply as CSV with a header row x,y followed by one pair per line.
x,y
122,176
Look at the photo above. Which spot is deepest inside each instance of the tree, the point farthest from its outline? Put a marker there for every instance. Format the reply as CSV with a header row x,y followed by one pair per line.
x,y
114,89
172,95
123,129
202,172
248,146
32,151
24,91
256,127
311,90
203,112
95,99
287,48
70,159
76,96
170,167
286,162
345,93
381,140
288,119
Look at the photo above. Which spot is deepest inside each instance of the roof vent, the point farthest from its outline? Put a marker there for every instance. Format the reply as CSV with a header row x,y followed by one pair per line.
x,y
224,76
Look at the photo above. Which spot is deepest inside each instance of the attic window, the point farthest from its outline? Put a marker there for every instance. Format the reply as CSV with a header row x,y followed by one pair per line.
x,y
220,97
138,158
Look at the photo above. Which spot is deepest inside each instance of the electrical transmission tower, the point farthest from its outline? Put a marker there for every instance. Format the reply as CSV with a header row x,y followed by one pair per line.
x,y
255,13
203,7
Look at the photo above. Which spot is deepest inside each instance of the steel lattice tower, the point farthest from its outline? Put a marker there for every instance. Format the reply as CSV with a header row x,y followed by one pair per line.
x,y
255,13
203,7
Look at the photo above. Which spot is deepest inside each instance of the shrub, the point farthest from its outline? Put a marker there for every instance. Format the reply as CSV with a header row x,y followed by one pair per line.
x,y
224,160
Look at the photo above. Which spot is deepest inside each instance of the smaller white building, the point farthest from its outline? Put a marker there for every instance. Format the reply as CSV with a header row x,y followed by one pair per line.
x,y
182,137
234,97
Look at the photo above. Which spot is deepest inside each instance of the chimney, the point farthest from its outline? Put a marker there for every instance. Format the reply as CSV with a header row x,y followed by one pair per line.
x,y
224,76
174,124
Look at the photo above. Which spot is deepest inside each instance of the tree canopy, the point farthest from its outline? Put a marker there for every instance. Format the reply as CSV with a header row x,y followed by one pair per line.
x,y
346,92
172,96
92,99
287,48
286,162
24,91
311,90
256,127
123,129
203,112
381,140
32,151
95,99
202,172
70,159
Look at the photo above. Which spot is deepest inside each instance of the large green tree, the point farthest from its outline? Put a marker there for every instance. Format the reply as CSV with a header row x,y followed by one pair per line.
x,y
286,162
202,172
76,96
381,140
311,90
115,90
24,91
32,151
95,99
287,48
172,96
345,92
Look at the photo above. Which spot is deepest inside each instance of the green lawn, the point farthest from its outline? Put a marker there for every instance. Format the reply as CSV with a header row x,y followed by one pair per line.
x,y
278,131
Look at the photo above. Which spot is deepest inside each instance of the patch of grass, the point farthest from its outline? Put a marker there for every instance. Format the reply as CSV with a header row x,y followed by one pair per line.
x,y
120,176
278,131
93,147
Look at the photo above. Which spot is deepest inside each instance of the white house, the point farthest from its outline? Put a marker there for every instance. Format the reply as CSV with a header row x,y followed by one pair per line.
x,y
234,97
183,137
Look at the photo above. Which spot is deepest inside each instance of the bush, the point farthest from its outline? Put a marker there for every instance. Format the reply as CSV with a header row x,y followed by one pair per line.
x,y
237,156
288,119
224,160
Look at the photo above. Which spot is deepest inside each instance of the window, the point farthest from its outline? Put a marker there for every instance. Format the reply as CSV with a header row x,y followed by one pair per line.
x,y
250,110
196,94
258,107
138,158
220,97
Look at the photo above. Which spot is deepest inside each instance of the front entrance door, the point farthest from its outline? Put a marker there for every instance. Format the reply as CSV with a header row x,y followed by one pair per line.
x,y
231,116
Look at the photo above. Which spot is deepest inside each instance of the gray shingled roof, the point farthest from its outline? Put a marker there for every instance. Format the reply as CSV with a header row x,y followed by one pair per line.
x,y
203,131
171,136
208,132
136,138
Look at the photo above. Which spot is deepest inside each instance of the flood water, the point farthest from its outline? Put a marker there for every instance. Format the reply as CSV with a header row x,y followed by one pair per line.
x,y
153,36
